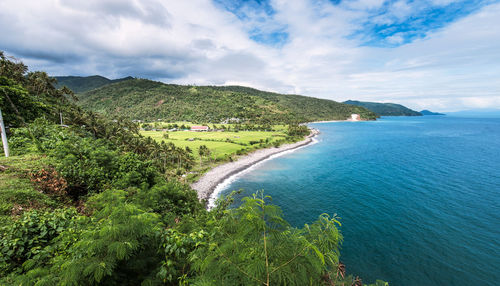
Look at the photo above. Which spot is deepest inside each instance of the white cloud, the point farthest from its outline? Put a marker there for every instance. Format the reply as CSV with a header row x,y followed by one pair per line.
x,y
401,10
395,39
365,4
195,42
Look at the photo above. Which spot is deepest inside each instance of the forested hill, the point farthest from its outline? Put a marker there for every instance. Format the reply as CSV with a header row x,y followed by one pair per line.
x,y
148,100
385,109
80,84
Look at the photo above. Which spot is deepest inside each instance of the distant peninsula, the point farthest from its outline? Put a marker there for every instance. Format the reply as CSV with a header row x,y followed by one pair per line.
x,y
427,112
385,109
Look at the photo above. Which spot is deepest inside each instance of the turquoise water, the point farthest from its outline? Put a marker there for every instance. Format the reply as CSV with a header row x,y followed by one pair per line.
x,y
419,198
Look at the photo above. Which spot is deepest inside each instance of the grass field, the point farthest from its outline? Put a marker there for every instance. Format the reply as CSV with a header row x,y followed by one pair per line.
x,y
224,146
220,143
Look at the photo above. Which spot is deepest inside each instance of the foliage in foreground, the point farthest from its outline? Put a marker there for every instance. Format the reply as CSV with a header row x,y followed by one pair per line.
x,y
121,243
254,245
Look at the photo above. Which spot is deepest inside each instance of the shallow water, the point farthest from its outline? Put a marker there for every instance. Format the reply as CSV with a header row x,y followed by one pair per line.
x,y
418,197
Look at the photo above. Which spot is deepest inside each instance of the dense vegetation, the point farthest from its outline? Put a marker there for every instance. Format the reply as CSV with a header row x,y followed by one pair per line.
x,y
385,109
92,202
150,100
80,84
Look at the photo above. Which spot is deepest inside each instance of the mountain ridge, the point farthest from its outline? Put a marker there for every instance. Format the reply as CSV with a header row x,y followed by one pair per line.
x,y
151,100
385,109
80,84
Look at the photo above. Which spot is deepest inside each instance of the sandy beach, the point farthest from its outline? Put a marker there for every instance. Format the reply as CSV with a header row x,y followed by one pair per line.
x,y
207,184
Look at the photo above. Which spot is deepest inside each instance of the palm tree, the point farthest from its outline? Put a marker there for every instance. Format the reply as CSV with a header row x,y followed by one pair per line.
x,y
203,151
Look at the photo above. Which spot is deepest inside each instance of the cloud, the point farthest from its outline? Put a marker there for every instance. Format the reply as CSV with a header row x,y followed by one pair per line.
x,y
427,54
365,4
395,39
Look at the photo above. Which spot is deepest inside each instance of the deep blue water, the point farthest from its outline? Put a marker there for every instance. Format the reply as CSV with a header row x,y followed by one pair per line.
x,y
418,197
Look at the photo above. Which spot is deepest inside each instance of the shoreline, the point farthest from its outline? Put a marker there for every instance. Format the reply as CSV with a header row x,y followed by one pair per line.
x,y
330,121
326,121
208,183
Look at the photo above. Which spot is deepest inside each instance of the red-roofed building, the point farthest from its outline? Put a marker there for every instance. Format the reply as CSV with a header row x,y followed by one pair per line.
x,y
199,128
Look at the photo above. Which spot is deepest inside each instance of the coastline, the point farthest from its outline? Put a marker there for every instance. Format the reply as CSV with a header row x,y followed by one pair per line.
x,y
330,121
325,121
207,184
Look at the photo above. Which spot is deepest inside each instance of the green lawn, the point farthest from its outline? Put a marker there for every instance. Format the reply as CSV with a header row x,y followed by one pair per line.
x,y
224,145
217,141
219,149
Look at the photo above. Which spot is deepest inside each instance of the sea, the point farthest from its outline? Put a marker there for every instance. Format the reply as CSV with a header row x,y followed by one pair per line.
x,y
418,197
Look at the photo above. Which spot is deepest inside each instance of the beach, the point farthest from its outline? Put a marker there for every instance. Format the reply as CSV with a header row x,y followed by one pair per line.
x,y
206,185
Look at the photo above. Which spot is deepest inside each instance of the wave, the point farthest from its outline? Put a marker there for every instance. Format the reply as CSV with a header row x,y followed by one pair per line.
x,y
227,182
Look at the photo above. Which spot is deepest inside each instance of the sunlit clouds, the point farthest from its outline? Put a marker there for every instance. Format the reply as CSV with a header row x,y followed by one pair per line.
x,y
442,54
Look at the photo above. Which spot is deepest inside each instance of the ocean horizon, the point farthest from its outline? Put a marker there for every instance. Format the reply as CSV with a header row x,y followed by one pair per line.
x,y
418,197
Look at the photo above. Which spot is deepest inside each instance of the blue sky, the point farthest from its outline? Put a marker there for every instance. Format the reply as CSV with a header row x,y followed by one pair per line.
x,y
390,24
434,54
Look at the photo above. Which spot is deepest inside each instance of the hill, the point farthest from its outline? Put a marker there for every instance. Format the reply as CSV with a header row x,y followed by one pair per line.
x,y
385,109
427,112
81,84
150,100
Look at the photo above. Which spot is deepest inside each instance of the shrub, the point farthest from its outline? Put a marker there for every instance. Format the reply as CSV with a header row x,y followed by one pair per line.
x,y
49,181
119,248
26,237
171,200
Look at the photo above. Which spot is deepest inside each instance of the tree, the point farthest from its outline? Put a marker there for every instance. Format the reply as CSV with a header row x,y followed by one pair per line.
x,y
295,130
12,68
203,151
26,96
17,104
254,245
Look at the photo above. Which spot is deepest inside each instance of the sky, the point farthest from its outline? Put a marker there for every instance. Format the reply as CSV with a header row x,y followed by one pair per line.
x,y
442,55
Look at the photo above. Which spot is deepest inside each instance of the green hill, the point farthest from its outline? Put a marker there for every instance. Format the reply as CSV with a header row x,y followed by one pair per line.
x,y
81,84
385,109
150,100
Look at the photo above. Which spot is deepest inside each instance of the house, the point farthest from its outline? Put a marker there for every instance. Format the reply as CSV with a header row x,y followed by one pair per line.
x,y
199,128
355,117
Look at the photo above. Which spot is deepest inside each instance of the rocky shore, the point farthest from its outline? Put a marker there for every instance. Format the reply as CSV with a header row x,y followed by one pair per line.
x,y
207,184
